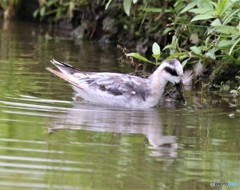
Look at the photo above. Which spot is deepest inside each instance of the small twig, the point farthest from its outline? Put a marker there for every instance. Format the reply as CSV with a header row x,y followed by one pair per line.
x,y
129,59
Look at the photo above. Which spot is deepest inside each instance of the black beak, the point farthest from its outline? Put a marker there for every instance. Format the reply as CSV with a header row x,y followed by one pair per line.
x,y
179,89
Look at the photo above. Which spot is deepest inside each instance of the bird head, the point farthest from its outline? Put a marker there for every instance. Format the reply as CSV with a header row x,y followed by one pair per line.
x,y
173,72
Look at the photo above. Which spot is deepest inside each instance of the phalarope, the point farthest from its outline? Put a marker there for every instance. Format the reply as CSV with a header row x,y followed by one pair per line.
x,y
122,90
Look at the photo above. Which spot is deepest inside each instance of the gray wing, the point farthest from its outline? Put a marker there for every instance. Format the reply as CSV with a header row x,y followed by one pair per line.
x,y
115,84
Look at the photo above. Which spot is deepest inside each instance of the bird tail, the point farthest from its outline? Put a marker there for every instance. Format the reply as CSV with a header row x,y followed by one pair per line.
x,y
64,67
66,72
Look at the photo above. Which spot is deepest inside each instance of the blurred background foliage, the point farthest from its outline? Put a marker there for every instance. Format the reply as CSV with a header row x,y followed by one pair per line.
x,y
195,31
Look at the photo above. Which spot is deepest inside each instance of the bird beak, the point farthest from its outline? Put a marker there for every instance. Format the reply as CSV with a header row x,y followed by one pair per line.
x,y
179,89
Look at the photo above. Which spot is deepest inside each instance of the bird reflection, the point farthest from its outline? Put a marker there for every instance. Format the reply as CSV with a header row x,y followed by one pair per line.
x,y
84,116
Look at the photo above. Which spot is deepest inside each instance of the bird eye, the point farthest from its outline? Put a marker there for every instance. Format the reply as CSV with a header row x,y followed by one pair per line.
x,y
171,71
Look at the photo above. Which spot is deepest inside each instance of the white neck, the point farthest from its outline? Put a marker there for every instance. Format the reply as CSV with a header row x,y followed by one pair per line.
x,y
158,81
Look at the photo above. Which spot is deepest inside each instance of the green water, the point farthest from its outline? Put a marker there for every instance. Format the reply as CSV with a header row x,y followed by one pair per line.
x,y
48,140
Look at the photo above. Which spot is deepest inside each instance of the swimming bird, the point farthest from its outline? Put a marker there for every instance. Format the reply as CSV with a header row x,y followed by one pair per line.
x,y
123,90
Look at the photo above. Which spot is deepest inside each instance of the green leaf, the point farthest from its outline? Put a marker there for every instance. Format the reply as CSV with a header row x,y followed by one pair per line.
x,y
211,54
139,57
216,22
156,57
202,17
233,46
156,49
42,11
153,10
127,6
196,50
173,46
225,29
189,6
167,30
185,62
206,4
107,5
231,15
51,2
225,43
215,5
221,5
4,5
36,12
200,11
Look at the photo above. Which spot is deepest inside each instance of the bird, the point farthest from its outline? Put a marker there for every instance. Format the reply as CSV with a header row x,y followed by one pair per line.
x,y
121,90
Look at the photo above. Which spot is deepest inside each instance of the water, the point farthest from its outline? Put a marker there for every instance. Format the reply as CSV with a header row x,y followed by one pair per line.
x,y
50,141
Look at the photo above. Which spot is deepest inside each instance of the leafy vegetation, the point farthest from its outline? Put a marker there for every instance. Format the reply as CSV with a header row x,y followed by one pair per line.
x,y
195,31
203,31
155,54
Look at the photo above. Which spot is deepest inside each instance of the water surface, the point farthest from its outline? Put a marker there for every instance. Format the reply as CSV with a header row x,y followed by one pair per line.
x,y
49,140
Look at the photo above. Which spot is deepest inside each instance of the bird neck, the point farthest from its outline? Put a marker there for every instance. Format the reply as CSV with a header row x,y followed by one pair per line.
x,y
158,81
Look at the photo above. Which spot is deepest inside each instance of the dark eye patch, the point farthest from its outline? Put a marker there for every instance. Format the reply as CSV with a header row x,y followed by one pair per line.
x,y
171,71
